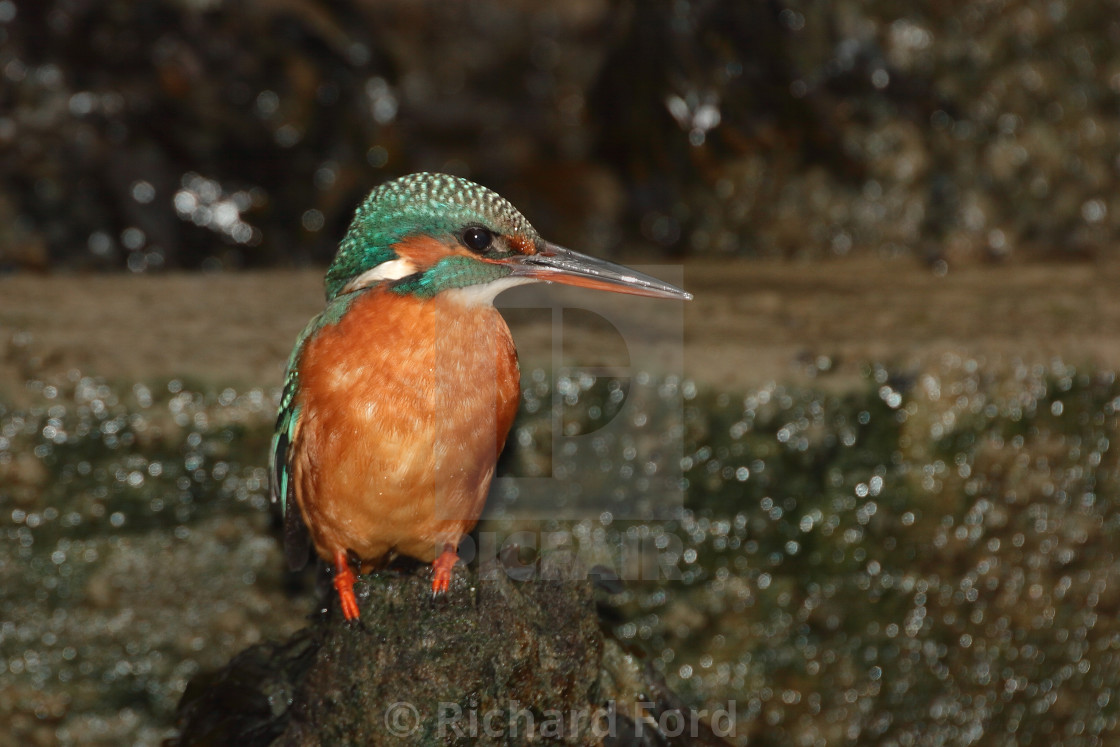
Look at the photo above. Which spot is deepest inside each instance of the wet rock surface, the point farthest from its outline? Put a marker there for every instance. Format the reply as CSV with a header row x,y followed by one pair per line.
x,y
494,661
218,134
928,555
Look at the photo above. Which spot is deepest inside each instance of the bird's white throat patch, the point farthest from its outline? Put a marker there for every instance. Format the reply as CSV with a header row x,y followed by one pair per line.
x,y
483,294
392,270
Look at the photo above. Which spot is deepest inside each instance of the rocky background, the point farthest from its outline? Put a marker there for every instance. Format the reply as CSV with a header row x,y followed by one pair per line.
x,y
214,134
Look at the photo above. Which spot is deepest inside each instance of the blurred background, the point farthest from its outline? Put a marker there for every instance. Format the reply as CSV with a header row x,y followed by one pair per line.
x,y
209,134
898,219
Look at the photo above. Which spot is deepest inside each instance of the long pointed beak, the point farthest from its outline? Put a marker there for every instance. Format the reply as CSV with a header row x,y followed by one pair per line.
x,y
559,265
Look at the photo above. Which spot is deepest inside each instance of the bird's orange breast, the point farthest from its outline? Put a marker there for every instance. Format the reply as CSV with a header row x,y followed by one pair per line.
x,y
405,404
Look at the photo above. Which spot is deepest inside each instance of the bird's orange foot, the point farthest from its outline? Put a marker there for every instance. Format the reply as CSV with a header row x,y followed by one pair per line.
x,y
344,579
443,567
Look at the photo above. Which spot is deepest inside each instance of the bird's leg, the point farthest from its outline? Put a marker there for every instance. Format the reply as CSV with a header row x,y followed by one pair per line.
x,y
344,579
443,566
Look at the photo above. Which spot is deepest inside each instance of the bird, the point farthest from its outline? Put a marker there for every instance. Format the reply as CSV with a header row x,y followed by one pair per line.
x,y
399,395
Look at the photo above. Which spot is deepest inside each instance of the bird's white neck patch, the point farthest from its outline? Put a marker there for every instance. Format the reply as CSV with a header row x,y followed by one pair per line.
x,y
392,270
483,294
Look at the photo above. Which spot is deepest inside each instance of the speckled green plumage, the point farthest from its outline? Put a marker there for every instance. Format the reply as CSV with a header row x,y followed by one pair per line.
x,y
429,204
419,204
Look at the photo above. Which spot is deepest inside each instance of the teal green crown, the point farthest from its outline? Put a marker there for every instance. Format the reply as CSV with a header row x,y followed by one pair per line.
x,y
430,204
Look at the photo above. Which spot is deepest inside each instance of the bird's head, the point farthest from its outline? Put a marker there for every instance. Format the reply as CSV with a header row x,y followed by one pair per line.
x,y
425,234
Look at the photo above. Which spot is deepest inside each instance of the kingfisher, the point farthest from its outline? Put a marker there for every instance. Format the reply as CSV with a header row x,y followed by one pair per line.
x,y
399,396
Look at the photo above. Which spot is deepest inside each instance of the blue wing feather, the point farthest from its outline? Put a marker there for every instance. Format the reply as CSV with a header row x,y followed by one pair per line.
x,y
282,488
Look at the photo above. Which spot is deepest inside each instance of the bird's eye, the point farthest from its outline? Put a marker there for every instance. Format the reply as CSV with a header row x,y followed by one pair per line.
x,y
477,239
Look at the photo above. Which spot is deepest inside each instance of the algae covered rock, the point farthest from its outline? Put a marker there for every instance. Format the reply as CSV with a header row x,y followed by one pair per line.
x,y
494,661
